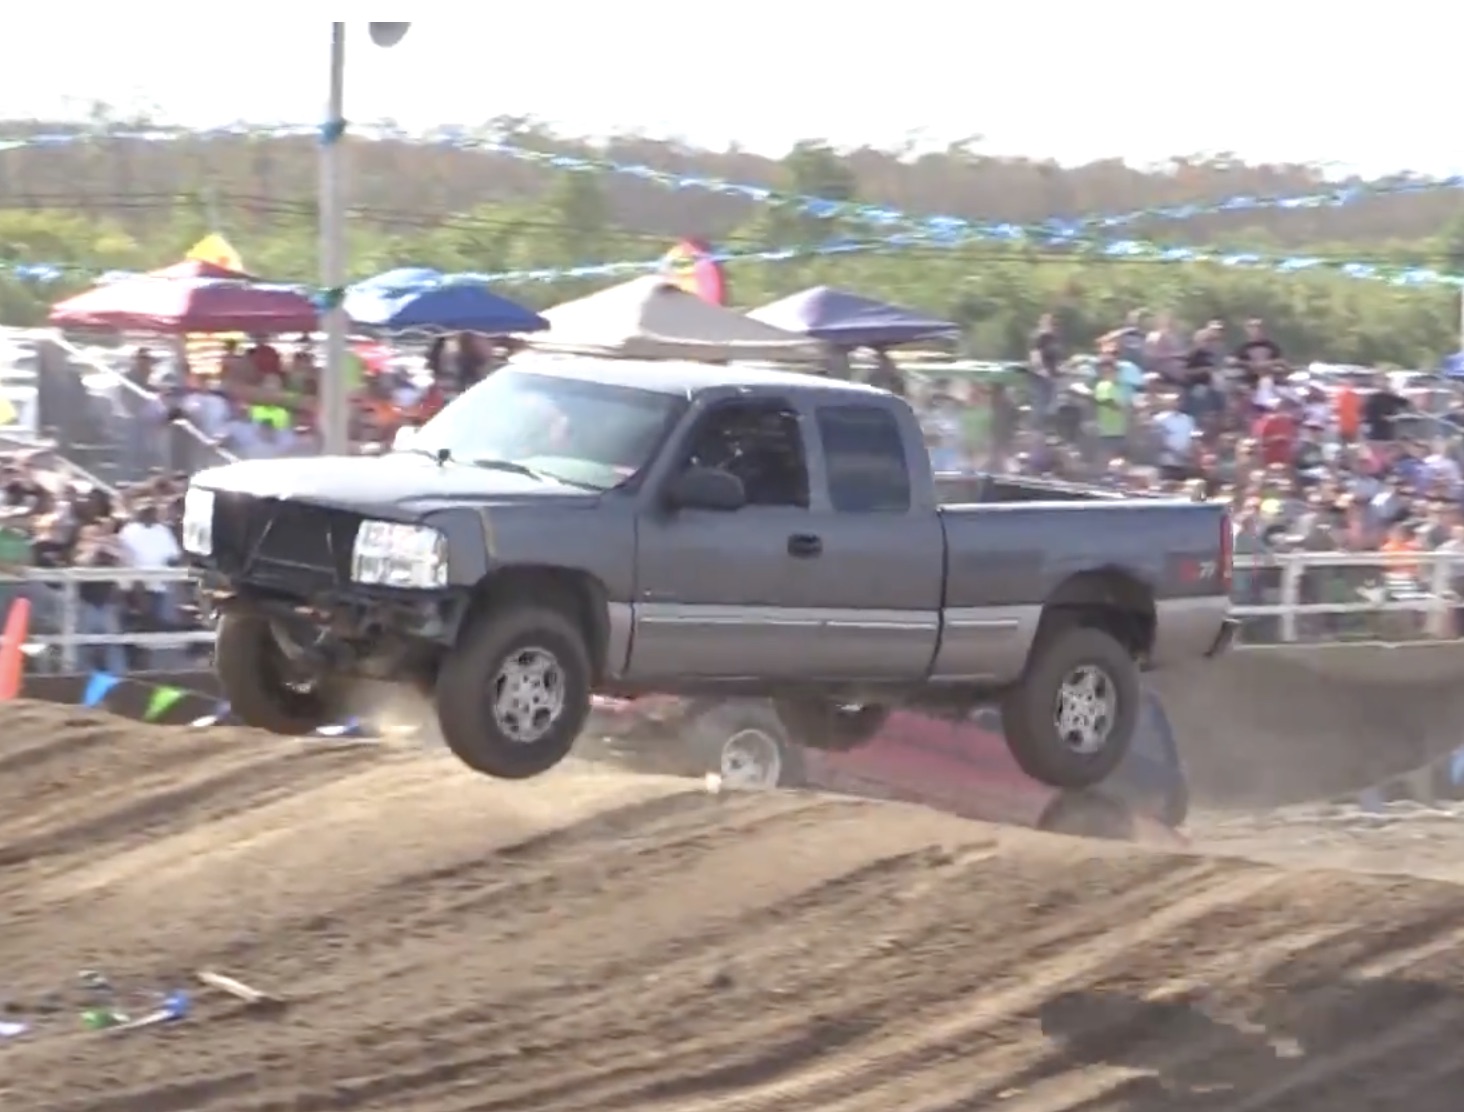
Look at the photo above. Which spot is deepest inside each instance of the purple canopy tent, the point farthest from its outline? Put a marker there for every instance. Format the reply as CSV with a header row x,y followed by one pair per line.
x,y
849,320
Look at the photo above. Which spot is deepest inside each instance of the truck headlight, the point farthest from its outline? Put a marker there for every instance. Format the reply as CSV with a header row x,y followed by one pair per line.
x,y
393,555
198,515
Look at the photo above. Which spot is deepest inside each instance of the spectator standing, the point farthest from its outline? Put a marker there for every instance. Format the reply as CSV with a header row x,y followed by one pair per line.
x,y
1201,363
264,359
100,603
1381,409
1130,342
1276,433
1044,362
143,416
1111,402
1176,430
1258,356
149,544
1164,351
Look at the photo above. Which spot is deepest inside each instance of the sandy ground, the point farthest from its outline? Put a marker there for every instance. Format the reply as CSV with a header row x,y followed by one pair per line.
x,y
598,941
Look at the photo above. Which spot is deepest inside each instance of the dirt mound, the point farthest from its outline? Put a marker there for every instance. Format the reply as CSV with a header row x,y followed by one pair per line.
x,y
598,941
1267,727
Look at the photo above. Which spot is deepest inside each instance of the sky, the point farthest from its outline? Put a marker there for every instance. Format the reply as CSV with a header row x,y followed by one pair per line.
x,y
1350,86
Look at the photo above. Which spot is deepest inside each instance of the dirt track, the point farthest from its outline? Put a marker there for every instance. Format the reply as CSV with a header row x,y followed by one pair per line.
x,y
596,941
1277,726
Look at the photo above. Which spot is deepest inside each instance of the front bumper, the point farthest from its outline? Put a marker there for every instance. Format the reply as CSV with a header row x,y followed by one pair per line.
x,y
352,613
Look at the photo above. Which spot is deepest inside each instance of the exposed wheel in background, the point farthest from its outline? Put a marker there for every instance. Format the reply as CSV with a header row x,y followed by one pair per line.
x,y
744,743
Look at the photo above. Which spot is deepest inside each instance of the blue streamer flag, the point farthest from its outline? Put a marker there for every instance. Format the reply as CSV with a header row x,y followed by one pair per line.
x,y
98,686
901,230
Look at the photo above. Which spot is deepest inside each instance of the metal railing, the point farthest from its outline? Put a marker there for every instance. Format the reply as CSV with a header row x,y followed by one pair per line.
x,y
1419,583
55,614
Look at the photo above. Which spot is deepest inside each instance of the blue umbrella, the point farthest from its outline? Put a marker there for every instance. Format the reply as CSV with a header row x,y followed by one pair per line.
x,y
421,300
849,320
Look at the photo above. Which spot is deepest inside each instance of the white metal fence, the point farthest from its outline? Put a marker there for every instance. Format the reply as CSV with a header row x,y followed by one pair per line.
x,y
56,609
1396,597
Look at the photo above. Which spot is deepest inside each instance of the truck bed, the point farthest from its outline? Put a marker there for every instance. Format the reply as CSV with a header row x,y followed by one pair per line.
x,y
1011,543
953,489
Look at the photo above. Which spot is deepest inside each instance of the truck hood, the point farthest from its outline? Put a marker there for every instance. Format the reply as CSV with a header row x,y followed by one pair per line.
x,y
397,480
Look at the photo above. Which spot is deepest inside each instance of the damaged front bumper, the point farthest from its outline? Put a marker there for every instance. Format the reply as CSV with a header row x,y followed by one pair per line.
x,y
340,627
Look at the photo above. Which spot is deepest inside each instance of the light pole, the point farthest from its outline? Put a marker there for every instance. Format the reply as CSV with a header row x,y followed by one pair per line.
x,y
334,407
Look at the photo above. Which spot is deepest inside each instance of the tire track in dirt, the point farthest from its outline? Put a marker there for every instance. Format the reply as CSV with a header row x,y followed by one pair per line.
x,y
600,941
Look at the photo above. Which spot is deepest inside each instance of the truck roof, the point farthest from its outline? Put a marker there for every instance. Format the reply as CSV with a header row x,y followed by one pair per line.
x,y
675,376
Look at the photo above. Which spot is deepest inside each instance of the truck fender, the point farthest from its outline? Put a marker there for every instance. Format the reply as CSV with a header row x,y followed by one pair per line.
x,y
576,592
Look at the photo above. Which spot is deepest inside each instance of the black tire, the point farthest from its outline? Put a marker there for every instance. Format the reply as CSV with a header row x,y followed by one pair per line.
x,y
821,724
1088,815
467,687
1028,712
252,678
750,725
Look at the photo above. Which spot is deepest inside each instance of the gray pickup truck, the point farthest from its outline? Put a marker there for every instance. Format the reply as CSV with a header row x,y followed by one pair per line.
x,y
581,525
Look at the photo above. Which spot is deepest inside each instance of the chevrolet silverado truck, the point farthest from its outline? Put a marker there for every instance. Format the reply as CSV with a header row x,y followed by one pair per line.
x,y
580,525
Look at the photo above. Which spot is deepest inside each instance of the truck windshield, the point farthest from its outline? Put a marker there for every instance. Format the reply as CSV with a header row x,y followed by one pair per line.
x,y
589,434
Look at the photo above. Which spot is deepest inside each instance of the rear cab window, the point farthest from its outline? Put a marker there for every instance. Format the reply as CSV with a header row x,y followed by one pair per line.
x,y
864,457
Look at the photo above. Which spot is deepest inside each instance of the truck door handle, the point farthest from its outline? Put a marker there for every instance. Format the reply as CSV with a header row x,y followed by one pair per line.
x,y
804,545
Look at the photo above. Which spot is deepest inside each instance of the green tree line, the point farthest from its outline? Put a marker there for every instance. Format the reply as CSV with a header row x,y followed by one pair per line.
x,y
117,204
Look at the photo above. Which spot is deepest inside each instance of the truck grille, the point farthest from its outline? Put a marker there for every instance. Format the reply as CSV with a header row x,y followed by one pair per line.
x,y
269,537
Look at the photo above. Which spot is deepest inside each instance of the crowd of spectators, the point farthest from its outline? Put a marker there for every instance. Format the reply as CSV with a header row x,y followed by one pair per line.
x,y
51,517
255,402
1306,462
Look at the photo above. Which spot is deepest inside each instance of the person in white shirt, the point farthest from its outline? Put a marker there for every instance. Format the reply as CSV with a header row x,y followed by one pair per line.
x,y
1177,440
147,543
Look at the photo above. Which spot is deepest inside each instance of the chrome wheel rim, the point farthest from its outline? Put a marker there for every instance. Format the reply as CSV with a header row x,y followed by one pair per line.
x,y
527,695
751,760
1085,709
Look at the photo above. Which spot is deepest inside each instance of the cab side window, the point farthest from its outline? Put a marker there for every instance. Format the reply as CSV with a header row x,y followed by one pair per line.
x,y
865,457
760,442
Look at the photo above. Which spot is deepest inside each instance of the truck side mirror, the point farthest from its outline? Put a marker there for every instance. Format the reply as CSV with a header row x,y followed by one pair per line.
x,y
706,488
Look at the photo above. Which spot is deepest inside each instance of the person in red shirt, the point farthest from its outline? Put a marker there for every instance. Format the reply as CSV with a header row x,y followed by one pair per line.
x,y
265,359
1276,433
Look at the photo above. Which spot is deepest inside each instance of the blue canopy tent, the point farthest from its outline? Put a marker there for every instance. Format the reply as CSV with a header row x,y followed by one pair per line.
x,y
414,299
849,320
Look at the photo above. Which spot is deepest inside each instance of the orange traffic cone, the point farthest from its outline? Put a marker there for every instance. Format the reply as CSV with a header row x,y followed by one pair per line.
x,y
12,648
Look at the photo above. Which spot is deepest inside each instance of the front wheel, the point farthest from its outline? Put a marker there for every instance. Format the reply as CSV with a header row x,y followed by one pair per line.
x,y
838,727
258,682
514,695
1070,721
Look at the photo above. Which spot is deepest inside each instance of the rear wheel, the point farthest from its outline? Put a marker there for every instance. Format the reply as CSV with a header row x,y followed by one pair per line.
x,y
822,724
514,695
1071,719
262,687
